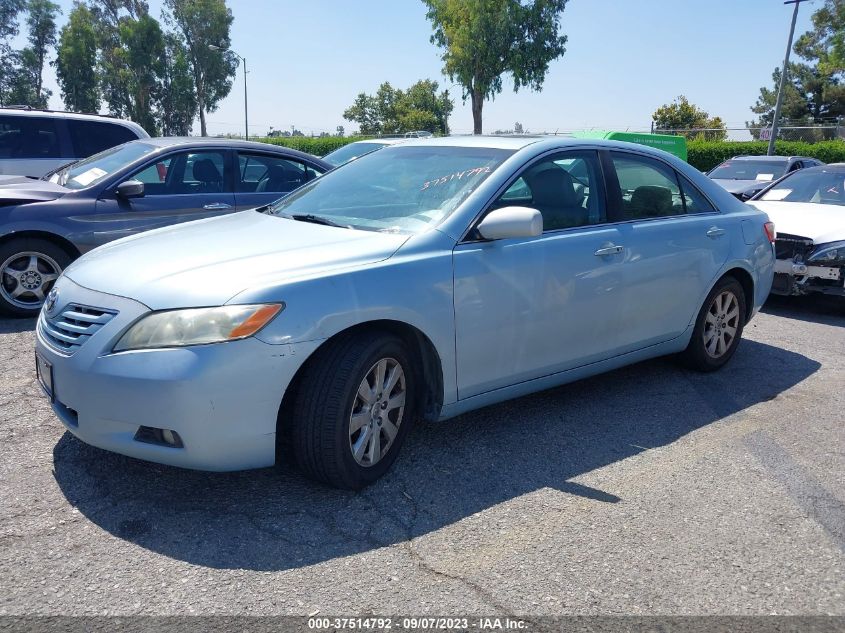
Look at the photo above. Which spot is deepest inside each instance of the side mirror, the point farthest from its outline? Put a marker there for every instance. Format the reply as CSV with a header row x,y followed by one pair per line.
x,y
507,222
130,189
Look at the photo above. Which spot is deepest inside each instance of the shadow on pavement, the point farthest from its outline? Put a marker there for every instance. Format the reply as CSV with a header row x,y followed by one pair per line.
x,y
276,519
822,309
16,326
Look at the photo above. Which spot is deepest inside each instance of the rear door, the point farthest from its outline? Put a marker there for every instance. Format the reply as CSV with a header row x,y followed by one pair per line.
x,y
675,244
262,178
178,187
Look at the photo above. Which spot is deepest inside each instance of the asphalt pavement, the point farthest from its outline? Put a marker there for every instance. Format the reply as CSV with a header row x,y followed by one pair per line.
x,y
648,490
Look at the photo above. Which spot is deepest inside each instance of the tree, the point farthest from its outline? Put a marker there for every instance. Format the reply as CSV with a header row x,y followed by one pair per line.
x,y
814,93
825,44
9,60
395,111
485,39
178,101
41,26
76,62
683,115
203,23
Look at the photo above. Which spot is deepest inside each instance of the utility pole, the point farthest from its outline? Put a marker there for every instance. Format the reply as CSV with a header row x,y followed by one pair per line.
x,y
246,103
783,74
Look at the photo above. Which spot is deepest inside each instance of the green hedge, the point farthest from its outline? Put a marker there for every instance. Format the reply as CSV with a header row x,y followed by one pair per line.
x,y
705,155
316,145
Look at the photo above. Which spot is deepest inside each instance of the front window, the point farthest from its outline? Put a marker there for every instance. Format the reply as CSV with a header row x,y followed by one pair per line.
x,y
749,170
90,171
399,189
820,186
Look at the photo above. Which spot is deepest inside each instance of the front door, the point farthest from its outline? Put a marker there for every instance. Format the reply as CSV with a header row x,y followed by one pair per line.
x,y
178,187
530,307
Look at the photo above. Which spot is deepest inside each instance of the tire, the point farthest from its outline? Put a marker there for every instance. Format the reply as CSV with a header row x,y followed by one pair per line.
x,y
328,443
29,268
718,327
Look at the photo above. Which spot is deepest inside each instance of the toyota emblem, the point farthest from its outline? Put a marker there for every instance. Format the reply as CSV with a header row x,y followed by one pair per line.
x,y
50,302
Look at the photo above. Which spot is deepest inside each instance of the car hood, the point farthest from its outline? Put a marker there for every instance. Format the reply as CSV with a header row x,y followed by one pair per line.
x,y
821,223
208,262
740,186
22,190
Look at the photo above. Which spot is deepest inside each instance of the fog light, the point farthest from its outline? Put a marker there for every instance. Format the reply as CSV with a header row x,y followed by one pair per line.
x,y
161,437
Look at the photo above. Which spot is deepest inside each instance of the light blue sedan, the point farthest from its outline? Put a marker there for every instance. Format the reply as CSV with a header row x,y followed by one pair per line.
x,y
416,283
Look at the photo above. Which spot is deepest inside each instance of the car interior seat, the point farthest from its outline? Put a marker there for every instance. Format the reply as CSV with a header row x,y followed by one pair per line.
x,y
279,178
651,201
553,194
209,177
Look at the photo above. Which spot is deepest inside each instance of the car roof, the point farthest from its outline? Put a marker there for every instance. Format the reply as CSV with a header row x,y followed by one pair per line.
x,y
78,116
492,141
771,158
230,143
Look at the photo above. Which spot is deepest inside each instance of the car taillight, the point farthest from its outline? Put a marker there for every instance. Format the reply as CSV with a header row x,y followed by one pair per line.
x,y
769,228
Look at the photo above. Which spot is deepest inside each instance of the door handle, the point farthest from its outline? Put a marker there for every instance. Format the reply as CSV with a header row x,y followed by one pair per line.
x,y
217,206
714,231
608,249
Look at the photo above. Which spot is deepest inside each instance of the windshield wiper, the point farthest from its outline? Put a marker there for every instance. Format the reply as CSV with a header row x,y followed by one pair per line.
x,y
317,219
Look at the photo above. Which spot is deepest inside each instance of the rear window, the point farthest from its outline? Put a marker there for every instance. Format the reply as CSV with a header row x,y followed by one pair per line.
x,y
749,170
92,137
28,137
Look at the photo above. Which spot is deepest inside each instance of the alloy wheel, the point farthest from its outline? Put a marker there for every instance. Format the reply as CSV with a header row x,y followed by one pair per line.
x,y
721,324
27,278
377,412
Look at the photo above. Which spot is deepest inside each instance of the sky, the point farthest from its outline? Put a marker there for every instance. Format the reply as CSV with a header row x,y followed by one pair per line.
x,y
308,60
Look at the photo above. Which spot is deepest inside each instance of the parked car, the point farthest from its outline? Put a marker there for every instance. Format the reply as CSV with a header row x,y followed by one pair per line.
x,y
808,208
744,176
35,142
418,282
351,151
45,224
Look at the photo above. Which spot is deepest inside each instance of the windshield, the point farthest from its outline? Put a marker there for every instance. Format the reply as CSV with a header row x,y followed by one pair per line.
x,y
821,186
348,152
398,189
749,170
91,170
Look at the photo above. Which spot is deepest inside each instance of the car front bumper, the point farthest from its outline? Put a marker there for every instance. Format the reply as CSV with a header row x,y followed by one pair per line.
x,y
796,278
222,399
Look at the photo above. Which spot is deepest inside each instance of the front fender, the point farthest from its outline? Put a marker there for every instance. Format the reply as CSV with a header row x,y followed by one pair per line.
x,y
413,288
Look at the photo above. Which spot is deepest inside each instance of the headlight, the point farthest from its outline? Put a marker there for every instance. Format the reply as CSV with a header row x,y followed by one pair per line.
x,y
828,254
197,326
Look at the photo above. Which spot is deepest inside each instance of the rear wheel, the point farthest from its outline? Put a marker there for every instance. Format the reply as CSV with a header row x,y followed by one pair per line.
x,y
28,270
353,409
718,328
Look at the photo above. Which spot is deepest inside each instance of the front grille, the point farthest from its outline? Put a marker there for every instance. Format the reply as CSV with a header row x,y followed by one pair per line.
x,y
792,247
71,328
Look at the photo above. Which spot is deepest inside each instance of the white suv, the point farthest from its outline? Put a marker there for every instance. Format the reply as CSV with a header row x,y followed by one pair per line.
x,y
34,142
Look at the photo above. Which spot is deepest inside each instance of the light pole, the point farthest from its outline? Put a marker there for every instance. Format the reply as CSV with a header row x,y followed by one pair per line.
x,y
783,73
246,101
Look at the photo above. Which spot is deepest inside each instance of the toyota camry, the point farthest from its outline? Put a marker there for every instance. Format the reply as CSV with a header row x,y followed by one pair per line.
x,y
416,283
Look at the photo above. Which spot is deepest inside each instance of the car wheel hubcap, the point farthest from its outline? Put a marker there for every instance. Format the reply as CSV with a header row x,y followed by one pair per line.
x,y
377,412
27,278
721,324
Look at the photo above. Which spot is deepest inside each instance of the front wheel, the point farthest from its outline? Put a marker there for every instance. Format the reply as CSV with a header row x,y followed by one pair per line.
x,y
28,270
353,409
718,328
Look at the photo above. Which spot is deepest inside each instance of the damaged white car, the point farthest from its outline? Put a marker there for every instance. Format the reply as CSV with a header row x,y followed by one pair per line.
x,y
808,209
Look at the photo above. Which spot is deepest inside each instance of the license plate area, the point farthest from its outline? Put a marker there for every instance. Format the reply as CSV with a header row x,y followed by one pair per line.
x,y
44,372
